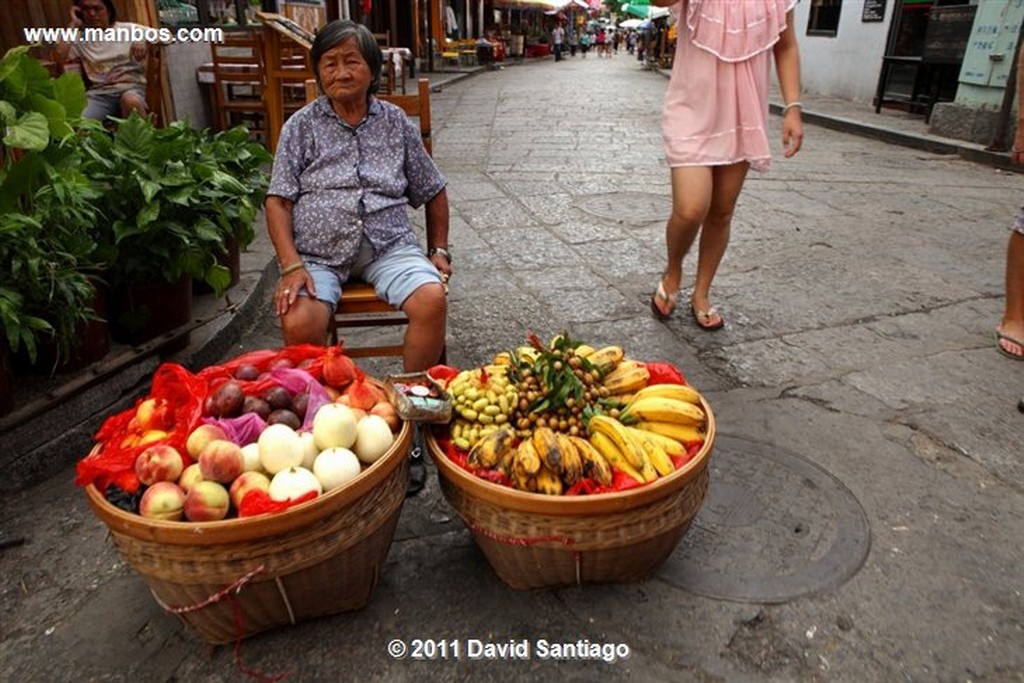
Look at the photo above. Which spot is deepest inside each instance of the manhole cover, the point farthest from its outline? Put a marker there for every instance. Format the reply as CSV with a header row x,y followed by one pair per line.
x,y
775,526
632,207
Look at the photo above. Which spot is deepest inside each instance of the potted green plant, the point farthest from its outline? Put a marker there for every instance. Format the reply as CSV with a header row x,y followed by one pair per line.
x,y
172,199
47,253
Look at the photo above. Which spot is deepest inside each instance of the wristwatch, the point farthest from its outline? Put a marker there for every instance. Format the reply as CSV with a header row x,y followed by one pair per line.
x,y
433,251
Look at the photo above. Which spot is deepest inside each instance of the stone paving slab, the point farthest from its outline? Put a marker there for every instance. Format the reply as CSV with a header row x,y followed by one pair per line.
x,y
860,296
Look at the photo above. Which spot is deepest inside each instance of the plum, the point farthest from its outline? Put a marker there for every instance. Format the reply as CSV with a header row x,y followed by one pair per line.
x,y
278,398
285,417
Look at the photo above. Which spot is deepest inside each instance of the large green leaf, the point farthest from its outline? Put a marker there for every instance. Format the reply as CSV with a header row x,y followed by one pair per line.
x,y
30,132
69,90
8,114
56,116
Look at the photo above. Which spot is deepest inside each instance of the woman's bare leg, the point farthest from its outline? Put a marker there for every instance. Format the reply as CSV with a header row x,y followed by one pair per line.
x,y
727,182
691,200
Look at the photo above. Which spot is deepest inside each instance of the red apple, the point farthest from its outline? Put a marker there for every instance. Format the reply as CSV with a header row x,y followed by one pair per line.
x,y
208,501
202,435
221,461
246,482
158,463
163,500
190,477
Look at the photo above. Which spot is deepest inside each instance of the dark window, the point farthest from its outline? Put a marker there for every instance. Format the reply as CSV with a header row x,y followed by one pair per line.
x,y
824,17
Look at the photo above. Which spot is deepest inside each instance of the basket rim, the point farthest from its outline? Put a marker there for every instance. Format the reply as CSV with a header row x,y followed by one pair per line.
x,y
599,503
259,526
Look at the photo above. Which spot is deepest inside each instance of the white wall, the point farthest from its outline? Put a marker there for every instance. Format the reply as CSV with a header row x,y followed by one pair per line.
x,y
846,65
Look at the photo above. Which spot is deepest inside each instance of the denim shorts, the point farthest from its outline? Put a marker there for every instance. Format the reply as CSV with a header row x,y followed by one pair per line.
x,y
394,276
1018,221
103,103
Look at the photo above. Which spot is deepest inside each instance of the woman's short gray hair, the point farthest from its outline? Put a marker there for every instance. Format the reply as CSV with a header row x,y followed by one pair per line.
x,y
337,32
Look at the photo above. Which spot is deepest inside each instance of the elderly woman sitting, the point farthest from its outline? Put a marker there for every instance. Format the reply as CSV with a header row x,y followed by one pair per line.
x,y
346,166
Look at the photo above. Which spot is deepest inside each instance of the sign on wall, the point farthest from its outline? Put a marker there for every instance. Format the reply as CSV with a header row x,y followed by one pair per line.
x,y
874,10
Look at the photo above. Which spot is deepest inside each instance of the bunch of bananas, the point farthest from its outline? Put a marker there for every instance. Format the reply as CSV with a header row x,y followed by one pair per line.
x,y
484,400
670,410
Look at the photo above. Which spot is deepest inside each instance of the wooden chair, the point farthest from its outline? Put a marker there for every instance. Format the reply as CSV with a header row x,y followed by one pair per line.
x,y
383,39
239,83
360,307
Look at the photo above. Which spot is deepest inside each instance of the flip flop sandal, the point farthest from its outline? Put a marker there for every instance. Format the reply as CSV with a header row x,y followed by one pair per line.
x,y
1000,337
659,293
702,318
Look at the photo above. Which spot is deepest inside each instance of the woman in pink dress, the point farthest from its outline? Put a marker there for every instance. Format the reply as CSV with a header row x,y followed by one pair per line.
x,y
714,126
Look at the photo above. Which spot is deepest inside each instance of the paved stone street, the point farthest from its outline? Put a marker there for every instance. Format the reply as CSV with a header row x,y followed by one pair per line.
x,y
866,507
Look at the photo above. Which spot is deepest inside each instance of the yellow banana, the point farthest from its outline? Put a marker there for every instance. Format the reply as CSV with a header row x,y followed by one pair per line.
x,y
672,448
502,358
584,351
614,456
548,482
546,444
606,358
524,481
490,450
656,455
626,378
679,392
616,431
572,463
526,461
657,409
682,433
595,466
648,471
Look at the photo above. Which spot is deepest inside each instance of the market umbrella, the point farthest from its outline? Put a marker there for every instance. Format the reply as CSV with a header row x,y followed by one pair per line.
x,y
645,11
630,23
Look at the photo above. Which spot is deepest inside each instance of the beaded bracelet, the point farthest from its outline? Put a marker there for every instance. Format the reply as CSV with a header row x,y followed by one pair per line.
x,y
791,105
292,268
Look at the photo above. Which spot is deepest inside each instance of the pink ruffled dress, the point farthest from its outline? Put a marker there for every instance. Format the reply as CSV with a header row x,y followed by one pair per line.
x,y
716,105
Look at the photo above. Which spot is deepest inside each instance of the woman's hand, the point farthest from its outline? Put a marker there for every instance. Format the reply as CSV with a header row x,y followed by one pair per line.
x,y
288,289
444,267
792,132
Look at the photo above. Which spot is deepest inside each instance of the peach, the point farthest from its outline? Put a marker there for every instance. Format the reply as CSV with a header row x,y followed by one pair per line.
x,y
221,460
202,435
163,500
154,413
388,412
246,482
190,477
159,462
207,501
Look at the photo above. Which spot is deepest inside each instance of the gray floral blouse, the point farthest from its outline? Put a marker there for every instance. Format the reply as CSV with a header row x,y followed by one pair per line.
x,y
349,182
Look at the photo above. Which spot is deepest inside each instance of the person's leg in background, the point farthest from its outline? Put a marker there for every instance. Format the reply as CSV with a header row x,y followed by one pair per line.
x,y
1010,333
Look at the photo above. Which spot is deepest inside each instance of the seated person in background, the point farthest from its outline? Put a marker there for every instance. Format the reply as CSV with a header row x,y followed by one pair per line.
x,y
115,71
346,166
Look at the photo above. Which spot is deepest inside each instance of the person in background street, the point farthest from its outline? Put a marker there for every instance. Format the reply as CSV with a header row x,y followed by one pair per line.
x,y
573,42
115,71
584,44
714,126
347,165
557,36
1010,333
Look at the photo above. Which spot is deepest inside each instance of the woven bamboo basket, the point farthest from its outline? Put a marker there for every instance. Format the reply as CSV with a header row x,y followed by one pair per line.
x,y
237,577
537,541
